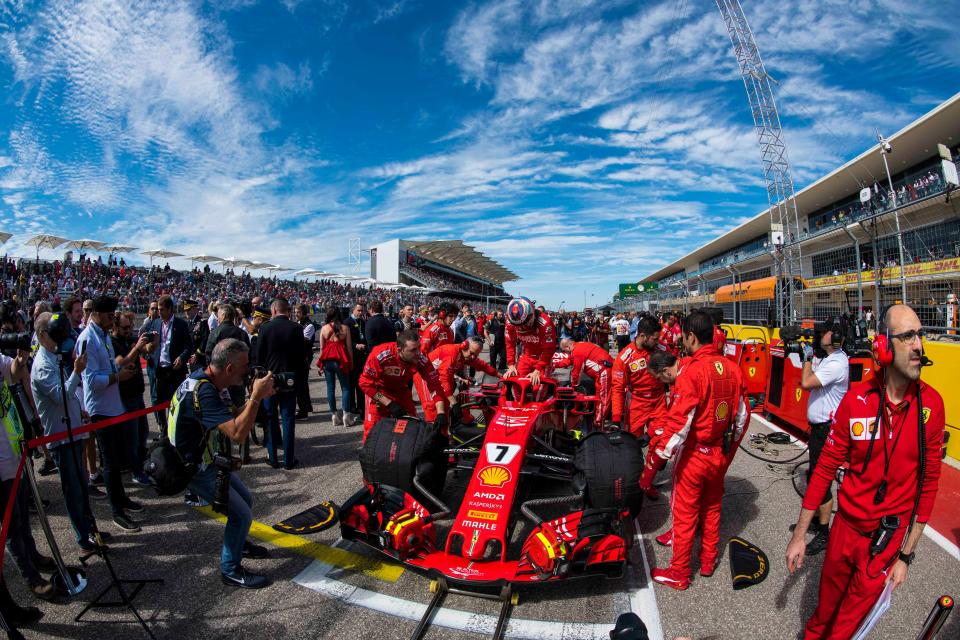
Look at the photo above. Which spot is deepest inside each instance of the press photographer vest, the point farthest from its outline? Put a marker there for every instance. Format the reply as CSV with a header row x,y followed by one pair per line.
x,y
191,387
11,420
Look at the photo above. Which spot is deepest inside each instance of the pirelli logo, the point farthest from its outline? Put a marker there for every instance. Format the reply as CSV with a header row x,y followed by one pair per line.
x,y
481,515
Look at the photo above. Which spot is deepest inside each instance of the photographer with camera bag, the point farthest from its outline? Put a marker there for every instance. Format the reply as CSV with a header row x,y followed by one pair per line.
x,y
889,431
826,375
201,427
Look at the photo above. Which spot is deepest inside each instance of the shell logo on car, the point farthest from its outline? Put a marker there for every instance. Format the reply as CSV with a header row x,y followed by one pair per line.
x,y
494,476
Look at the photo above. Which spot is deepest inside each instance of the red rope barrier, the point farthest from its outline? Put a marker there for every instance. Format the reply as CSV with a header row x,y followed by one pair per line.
x,y
8,511
57,437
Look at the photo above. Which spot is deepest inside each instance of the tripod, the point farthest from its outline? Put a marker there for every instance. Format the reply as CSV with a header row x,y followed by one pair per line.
x,y
126,598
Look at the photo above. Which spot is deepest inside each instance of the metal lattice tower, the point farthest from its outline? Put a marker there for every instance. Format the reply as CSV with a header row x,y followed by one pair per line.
x,y
354,257
784,221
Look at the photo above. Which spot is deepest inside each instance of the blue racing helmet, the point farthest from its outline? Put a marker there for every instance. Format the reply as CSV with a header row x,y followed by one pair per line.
x,y
519,310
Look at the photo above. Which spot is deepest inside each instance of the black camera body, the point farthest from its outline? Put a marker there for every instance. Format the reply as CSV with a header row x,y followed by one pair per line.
x,y
846,332
225,465
281,381
150,334
10,343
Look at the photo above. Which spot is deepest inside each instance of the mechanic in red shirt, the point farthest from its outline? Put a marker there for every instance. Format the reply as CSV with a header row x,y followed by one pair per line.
x,y
596,362
433,335
535,331
630,374
386,376
703,426
449,361
877,431
670,337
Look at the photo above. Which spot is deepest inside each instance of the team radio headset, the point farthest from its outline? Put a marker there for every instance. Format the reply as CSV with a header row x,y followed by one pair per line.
x,y
883,356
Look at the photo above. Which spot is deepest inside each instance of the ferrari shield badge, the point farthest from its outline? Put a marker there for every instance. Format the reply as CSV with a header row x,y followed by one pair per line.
x,y
926,415
799,393
752,371
718,366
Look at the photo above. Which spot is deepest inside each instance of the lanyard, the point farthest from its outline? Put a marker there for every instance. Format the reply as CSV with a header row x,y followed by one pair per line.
x,y
165,329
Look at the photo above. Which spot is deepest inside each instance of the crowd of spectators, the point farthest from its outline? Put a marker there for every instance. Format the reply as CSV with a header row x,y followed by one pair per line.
x,y
30,281
448,282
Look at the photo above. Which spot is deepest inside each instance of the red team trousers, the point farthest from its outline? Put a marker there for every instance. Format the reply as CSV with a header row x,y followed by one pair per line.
x,y
697,496
850,581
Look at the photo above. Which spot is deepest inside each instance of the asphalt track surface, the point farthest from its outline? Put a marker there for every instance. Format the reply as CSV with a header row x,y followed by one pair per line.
x,y
348,593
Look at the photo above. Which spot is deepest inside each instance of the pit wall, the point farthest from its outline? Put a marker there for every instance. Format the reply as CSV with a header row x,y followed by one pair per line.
x,y
942,376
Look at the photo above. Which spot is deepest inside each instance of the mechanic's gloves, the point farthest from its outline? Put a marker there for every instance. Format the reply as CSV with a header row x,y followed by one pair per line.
x,y
456,414
396,410
441,423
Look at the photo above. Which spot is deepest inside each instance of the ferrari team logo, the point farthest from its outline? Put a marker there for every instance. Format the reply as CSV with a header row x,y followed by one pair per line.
x,y
926,414
799,393
752,371
723,410
719,367
494,476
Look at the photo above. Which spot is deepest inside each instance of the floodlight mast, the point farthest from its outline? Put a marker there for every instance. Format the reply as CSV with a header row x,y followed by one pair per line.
x,y
773,153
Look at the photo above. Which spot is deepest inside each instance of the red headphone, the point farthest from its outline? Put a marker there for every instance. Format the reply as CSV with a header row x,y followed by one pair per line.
x,y
464,345
882,348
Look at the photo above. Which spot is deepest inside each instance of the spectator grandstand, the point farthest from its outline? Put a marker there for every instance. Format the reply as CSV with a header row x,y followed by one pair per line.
x,y
449,267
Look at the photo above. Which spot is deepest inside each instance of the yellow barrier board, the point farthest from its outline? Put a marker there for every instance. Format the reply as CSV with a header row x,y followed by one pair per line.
x,y
941,376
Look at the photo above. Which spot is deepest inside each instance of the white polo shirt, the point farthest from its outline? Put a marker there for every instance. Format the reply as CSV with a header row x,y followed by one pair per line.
x,y
833,372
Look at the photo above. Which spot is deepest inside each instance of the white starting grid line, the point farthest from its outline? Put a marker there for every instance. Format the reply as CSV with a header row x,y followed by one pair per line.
x,y
938,538
643,602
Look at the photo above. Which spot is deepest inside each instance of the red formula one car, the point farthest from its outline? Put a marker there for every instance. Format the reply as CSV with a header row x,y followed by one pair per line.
x,y
529,460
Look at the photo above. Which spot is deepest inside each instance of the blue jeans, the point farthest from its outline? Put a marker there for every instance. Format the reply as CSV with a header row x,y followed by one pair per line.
x,y
239,515
281,407
332,372
135,434
73,482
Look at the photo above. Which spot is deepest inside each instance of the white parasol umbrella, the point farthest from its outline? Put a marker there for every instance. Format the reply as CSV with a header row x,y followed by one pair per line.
x,y
4,236
159,253
261,265
232,262
118,248
44,240
275,268
85,245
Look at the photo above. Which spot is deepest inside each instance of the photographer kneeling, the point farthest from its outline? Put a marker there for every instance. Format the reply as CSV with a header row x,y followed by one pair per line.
x,y
200,412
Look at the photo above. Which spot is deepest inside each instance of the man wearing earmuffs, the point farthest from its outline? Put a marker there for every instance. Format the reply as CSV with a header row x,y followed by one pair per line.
x,y
890,431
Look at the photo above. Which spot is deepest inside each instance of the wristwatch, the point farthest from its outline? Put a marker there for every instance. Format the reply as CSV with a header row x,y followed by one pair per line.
x,y
907,558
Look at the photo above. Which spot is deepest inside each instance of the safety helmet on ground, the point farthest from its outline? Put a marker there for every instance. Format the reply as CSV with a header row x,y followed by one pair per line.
x,y
519,310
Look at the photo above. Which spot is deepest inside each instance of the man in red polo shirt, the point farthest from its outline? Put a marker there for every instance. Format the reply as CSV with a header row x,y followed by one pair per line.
x,y
880,429
386,376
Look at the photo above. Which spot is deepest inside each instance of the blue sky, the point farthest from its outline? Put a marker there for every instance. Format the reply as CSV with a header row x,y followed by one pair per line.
x,y
579,143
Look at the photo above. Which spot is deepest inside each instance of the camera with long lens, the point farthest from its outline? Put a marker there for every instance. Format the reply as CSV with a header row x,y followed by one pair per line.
x,y
225,465
10,343
795,338
281,381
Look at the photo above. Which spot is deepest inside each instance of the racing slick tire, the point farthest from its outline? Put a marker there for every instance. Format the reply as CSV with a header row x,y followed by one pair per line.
x,y
608,468
396,449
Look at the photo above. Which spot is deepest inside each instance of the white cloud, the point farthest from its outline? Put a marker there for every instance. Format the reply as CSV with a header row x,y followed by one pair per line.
x,y
280,78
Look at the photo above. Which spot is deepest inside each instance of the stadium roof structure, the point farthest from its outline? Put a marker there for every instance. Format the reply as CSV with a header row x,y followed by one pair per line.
x,y
911,145
457,255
